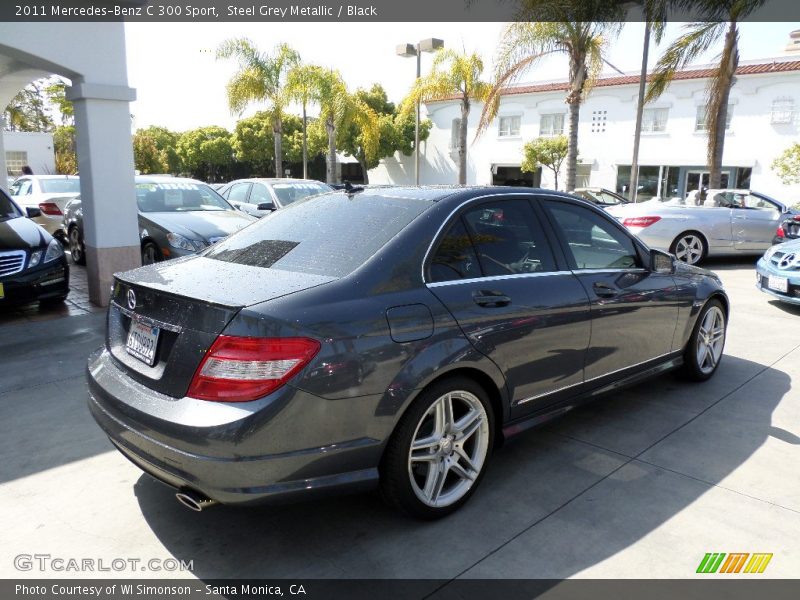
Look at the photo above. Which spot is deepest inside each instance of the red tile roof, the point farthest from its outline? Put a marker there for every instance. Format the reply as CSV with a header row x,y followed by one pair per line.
x,y
755,69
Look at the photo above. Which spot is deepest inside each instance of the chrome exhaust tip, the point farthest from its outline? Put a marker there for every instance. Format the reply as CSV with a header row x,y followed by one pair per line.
x,y
194,501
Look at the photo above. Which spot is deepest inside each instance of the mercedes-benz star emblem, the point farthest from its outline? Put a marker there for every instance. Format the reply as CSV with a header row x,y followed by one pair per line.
x,y
787,260
131,299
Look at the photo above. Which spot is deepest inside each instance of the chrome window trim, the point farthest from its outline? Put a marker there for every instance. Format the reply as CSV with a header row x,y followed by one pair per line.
x,y
147,320
566,387
447,219
436,284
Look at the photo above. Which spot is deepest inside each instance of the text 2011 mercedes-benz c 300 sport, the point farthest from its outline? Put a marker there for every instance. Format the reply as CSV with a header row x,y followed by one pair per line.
x,y
390,337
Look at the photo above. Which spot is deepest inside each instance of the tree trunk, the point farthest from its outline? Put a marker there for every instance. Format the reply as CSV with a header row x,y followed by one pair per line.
x,y
555,175
717,110
277,130
331,170
363,164
572,145
462,142
305,143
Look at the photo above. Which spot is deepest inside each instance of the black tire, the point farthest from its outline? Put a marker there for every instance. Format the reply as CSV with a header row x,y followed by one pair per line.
x,y
690,247
398,479
695,369
151,253
77,250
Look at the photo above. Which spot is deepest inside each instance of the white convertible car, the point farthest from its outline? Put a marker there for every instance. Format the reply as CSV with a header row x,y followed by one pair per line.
x,y
726,222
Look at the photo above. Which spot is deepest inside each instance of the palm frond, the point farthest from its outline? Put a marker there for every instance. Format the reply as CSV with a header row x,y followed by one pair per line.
x,y
698,38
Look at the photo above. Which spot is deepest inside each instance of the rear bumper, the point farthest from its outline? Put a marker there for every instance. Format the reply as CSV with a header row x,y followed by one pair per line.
x,y
242,453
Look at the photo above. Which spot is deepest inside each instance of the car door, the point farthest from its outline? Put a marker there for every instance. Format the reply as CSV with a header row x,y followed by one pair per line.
x,y
755,220
496,273
634,311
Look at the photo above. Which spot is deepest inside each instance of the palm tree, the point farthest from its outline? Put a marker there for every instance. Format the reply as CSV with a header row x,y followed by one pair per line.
x,y
261,77
720,21
339,108
575,28
301,86
453,75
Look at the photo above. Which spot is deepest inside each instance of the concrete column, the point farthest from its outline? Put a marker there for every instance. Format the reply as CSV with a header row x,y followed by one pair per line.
x,y
105,162
3,166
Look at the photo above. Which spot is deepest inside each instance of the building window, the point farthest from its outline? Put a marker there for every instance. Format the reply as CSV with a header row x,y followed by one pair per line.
x,y
701,121
15,161
552,124
599,120
654,120
454,130
782,110
509,126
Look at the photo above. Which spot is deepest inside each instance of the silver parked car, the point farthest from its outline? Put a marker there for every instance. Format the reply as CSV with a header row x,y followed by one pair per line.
x,y
692,228
260,196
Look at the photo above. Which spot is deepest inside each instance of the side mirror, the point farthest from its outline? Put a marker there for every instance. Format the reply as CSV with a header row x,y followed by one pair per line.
x,y
661,262
266,206
33,212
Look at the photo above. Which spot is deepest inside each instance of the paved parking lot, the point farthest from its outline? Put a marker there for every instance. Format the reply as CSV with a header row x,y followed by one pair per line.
x,y
640,485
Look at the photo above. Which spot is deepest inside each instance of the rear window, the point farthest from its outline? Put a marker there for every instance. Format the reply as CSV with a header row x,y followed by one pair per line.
x,y
60,186
329,235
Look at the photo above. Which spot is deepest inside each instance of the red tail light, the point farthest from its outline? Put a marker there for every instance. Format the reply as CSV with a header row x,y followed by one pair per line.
x,y
640,221
50,208
238,369
780,232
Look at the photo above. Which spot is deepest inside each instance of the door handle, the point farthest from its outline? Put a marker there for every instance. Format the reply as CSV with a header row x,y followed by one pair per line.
x,y
489,298
604,290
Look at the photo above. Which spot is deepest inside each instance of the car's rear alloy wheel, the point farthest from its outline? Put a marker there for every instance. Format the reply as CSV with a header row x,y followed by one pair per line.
x,y
438,454
704,351
689,248
76,247
150,254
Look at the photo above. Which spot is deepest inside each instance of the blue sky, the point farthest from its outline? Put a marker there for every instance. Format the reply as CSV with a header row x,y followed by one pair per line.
x,y
181,86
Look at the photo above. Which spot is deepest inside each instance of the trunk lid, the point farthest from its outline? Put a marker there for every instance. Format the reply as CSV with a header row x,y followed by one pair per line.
x,y
190,301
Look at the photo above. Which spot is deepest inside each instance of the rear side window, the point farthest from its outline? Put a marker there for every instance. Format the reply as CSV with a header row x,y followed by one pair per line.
x,y
496,238
593,241
508,238
330,235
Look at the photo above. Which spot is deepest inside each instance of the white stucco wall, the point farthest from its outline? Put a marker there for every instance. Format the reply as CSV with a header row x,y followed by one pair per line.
x,y
752,141
38,146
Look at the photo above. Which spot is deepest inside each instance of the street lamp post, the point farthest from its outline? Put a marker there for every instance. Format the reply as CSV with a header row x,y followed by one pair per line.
x,y
407,51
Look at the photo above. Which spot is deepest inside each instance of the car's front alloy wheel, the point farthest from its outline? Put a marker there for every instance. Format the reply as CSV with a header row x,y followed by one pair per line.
x,y
704,351
76,247
150,254
438,454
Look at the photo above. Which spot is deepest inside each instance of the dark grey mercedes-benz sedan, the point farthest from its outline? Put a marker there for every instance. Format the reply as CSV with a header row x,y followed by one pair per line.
x,y
388,337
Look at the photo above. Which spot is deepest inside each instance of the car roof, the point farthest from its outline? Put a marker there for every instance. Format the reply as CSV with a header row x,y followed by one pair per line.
x,y
275,180
48,177
166,179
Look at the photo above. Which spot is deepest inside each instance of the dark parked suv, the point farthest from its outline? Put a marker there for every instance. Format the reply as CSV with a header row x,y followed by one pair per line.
x,y
388,337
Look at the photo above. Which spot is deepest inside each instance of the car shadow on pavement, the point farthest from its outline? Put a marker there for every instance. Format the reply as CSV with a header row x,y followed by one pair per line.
x,y
551,505
792,309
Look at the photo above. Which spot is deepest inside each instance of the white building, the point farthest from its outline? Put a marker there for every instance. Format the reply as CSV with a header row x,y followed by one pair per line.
x,y
29,148
764,119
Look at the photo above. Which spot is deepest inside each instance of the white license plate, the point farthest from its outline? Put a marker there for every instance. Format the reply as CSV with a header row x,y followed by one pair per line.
x,y
779,284
142,342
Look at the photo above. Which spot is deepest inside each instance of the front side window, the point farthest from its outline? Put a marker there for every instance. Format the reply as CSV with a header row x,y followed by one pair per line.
x,y
701,120
552,124
260,194
654,120
238,193
593,241
509,126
